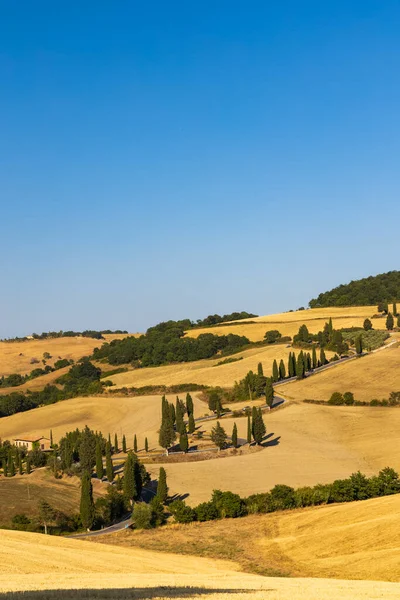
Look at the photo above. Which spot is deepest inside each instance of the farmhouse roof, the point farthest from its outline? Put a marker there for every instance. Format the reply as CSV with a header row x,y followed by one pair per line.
x,y
30,439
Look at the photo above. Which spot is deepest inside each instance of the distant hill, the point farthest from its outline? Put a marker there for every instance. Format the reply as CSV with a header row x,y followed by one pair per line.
x,y
362,292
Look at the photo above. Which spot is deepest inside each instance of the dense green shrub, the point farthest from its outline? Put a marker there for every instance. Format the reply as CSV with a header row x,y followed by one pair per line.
x,y
362,292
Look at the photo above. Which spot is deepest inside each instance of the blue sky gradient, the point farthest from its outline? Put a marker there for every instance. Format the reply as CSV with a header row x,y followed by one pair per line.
x,y
169,160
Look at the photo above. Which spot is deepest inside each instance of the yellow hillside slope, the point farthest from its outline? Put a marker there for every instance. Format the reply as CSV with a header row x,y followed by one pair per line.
x,y
36,562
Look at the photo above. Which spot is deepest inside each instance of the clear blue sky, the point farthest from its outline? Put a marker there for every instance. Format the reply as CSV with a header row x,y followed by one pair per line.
x,y
174,159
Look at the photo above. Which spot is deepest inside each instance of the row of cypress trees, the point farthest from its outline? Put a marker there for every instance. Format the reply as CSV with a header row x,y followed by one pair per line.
x,y
14,463
173,422
298,366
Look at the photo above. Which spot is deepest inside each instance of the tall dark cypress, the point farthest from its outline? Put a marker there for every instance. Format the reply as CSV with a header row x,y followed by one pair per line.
x,y
314,358
162,488
282,370
269,392
116,449
128,482
179,416
109,463
322,357
300,366
290,366
260,370
146,445
248,429
192,424
189,404
124,444
234,436
275,371
394,308
99,461
135,446
87,506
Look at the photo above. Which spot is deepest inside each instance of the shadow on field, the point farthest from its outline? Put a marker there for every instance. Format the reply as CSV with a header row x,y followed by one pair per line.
x,y
120,594
268,441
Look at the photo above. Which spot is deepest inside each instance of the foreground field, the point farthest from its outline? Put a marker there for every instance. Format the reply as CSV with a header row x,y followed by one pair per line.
x,y
358,540
288,323
37,562
15,357
129,416
21,494
373,376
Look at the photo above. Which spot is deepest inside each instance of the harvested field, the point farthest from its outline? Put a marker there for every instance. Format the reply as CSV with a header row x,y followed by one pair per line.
x,y
21,494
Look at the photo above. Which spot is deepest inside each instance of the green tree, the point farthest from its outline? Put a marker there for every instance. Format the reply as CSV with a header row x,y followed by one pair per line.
x,y
87,511
142,516
46,514
116,448
282,370
248,429
146,445
395,313
258,426
135,446
128,482
51,438
260,370
124,444
109,463
389,322
184,442
275,371
179,416
269,392
162,488
359,344
192,424
10,465
99,461
218,436
20,468
189,404
314,358
367,325
398,321
322,357
28,467
291,365
300,369
234,436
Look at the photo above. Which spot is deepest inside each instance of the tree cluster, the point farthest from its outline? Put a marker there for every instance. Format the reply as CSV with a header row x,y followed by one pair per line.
x,y
363,292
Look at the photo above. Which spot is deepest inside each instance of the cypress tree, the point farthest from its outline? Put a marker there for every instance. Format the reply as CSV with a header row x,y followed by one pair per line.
x,y
394,308
218,436
162,488
124,444
167,433
269,392
119,484
258,426
129,483
358,344
109,441
116,449
27,466
322,357
51,438
5,470
314,358
290,366
179,416
389,322
135,443
99,461
260,370
248,429
282,370
184,442
86,505
172,414
330,325
109,463
189,404
275,371
398,321
192,424
309,364
294,364
20,469
146,445
300,366
234,436
10,466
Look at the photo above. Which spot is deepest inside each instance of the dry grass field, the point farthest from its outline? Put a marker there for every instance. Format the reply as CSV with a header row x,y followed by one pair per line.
x,y
373,376
15,357
129,416
288,323
21,494
38,562
307,443
205,372
358,540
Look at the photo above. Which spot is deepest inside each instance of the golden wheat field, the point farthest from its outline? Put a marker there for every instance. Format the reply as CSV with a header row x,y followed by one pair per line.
x,y
21,494
372,376
15,357
38,562
288,323
108,414
206,372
